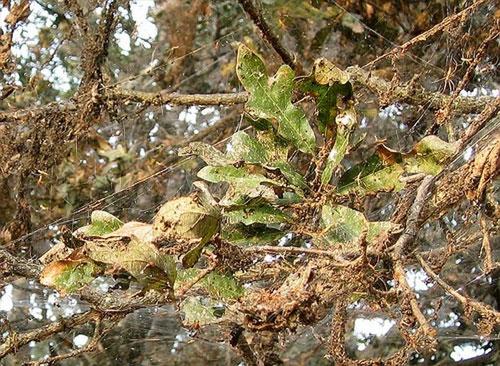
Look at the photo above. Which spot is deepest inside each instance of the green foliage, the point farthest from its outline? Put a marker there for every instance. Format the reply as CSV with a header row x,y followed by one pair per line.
x,y
343,225
222,287
200,311
344,128
241,234
382,171
142,260
249,149
243,185
68,276
428,155
264,214
118,250
186,218
101,223
208,153
219,286
264,184
370,177
326,83
270,98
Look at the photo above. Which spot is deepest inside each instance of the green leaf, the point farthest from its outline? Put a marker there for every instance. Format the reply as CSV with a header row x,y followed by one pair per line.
x,y
377,228
250,235
270,98
325,84
422,164
266,151
222,287
207,152
185,276
193,255
193,218
343,225
199,311
382,171
187,218
276,147
219,286
101,223
264,214
232,174
290,174
432,146
370,177
326,73
428,155
140,259
243,184
116,154
68,275
248,149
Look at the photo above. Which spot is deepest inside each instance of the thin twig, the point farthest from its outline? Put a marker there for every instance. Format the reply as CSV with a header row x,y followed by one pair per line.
x,y
490,317
109,303
340,262
438,28
443,116
489,264
256,15
412,221
202,274
90,347
490,110
403,244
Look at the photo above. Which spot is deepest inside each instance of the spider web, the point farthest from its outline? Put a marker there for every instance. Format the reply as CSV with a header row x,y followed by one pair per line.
x,y
154,131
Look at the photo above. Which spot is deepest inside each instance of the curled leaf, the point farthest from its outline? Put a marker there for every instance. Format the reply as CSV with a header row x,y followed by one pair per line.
x,y
326,73
345,124
101,223
185,218
69,275
140,259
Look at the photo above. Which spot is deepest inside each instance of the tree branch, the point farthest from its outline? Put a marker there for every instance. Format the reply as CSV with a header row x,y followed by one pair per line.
x,y
16,340
490,318
340,262
100,330
255,14
400,249
162,98
412,95
490,110
109,303
441,27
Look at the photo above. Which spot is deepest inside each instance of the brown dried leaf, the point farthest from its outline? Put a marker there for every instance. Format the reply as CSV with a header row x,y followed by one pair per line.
x,y
134,228
18,13
5,45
